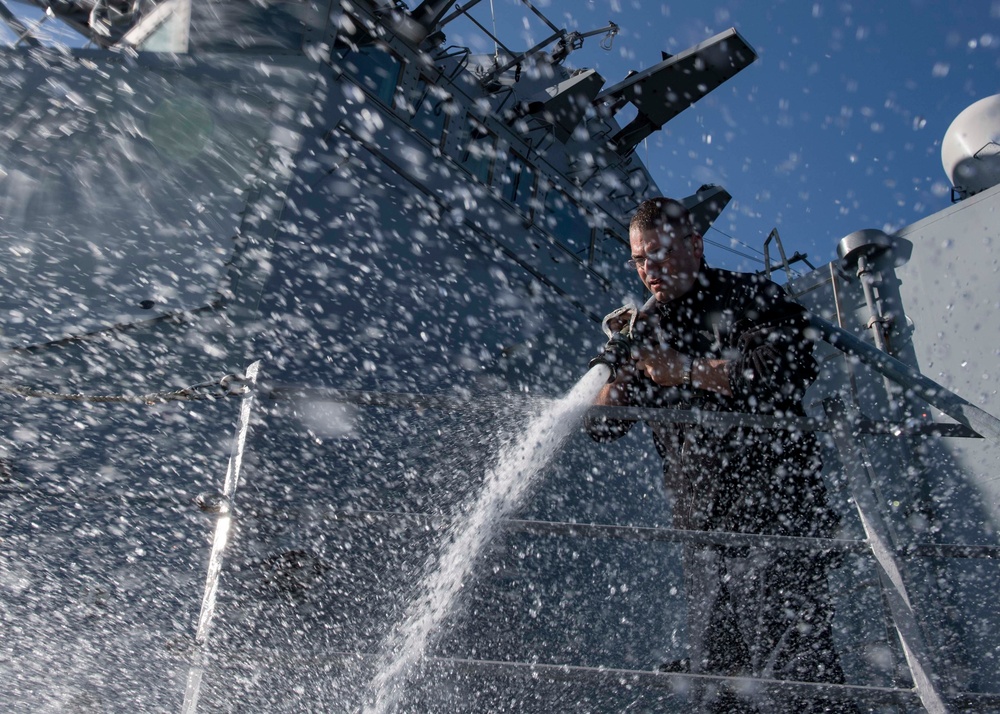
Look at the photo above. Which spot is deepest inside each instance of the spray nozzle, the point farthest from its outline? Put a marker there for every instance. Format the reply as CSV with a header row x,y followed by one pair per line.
x,y
619,326
614,354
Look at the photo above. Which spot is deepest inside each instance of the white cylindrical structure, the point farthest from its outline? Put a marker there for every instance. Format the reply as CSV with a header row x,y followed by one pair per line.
x,y
970,151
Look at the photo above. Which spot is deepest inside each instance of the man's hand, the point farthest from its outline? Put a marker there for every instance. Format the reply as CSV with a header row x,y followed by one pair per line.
x,y
663,365
614,394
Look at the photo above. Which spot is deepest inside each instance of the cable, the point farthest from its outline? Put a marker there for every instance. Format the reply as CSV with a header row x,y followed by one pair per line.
x,y
229,386
737,240
723,246
496,44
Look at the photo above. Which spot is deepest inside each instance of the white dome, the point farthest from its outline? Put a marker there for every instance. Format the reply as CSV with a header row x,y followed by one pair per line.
x,y
970,151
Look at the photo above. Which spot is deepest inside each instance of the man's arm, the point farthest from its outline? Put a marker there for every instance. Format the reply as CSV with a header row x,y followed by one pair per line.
x,y
711,375
614,394
774,358
668,368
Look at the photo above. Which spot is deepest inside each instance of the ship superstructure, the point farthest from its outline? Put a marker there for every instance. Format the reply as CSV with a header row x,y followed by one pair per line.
x,y
276,274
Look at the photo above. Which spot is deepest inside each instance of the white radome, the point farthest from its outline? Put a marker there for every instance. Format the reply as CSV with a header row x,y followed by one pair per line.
x,y
970,151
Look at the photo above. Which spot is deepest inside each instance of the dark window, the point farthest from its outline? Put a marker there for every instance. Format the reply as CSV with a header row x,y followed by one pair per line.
x,y
517,183
610,253
477,149
376,70
566,222
428,108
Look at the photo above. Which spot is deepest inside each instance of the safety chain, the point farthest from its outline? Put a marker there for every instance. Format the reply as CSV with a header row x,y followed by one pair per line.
x,y
229,386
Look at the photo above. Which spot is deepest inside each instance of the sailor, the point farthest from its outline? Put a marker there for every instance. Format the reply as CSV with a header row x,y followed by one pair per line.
x,y
718,340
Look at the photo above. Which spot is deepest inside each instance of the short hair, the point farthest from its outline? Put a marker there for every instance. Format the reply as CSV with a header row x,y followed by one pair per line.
x,y
656,213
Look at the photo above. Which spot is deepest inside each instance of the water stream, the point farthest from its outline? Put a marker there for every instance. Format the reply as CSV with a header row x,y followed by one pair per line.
x,y
503,491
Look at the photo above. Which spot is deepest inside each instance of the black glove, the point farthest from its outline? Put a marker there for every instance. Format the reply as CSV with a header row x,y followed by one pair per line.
x,y
617,352
618,327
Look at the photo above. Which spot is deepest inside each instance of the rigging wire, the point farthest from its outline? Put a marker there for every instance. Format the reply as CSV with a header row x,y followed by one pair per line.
x,y
723,246
229,386
496,44
746,245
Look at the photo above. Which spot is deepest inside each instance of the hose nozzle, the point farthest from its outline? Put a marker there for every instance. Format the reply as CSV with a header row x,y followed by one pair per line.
x,y
614,354
619,326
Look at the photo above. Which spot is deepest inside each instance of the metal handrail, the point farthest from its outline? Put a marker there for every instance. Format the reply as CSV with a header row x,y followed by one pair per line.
x,y
651,415
959,409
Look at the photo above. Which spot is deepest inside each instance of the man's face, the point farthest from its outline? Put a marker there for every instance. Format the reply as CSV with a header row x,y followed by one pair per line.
x,y
667,259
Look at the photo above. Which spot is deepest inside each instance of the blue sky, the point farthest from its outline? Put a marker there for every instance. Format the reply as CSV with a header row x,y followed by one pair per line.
x,y
838,125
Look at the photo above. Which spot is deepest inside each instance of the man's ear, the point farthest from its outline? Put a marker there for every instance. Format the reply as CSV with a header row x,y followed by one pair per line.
x,y
697,245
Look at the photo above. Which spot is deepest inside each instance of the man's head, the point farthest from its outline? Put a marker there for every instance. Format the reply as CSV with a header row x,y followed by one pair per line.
x,y
666,248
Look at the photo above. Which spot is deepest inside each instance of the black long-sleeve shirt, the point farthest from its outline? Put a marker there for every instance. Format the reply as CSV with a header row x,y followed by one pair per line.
x,y
742,479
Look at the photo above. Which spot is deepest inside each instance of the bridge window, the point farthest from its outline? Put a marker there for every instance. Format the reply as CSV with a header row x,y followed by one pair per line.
x,y
566,222
517,183
376,70
477,147
428,107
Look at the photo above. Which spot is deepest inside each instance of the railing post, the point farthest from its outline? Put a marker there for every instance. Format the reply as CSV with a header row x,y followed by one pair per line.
x,y
890,569
222,505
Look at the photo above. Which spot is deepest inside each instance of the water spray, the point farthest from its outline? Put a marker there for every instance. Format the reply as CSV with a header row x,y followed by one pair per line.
x,y
508,484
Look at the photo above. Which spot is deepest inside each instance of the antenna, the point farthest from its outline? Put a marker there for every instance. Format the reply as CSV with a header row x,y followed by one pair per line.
x,y
568,41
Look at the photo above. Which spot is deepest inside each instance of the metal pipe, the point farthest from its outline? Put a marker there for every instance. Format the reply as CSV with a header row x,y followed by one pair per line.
x,y
866,276
460,10
781,251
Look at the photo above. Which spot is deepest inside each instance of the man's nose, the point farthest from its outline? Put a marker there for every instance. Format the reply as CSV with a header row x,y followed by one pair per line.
x,y
656,269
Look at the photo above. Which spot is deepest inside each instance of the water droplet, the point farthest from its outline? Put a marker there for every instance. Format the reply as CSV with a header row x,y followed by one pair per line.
x,y
212,502
941,69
